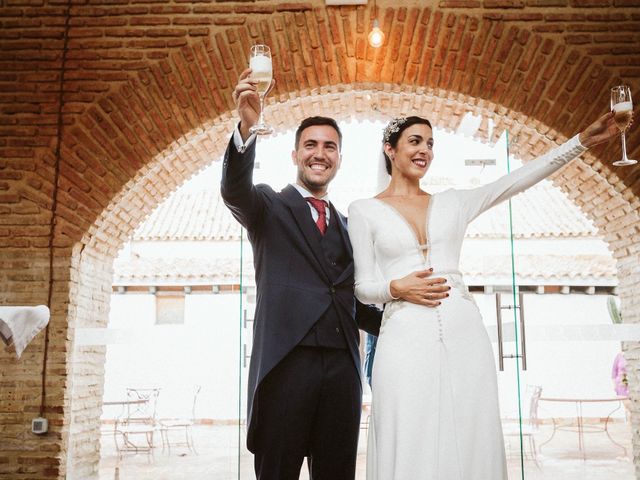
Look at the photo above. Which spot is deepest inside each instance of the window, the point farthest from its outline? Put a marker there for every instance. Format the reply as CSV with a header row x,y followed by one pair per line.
x,y
169,309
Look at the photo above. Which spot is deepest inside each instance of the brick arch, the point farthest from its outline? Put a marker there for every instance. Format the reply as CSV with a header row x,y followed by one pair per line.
x,y
147,102
164,173
579,180
172,114
149,173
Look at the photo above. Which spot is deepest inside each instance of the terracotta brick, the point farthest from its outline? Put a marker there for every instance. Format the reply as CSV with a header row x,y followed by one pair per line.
x,y
419,44
334,27
617,38
522,17
577,74
145,74
349,38
435,29
149,20
480,39
170,9
254,9
410,28
507,44
578,39
293,7
564,17
212,9
192,21
624,50
425,67
459,4
456,40
229,21
426,16
510,65
503,3
590,3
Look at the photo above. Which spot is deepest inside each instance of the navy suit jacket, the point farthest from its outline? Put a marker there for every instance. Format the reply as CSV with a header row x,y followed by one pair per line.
x,y
293,287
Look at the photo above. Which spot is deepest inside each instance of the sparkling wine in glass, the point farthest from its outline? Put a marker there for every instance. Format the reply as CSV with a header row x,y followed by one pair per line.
x,y
622,107
261,73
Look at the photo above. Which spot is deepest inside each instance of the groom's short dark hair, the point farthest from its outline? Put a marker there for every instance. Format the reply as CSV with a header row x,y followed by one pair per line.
x,y
312,122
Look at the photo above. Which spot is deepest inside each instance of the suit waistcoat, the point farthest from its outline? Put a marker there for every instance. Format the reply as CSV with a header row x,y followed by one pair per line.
x,y
327,331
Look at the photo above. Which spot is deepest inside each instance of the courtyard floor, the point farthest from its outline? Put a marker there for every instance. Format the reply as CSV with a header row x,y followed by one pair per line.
x,y
217,457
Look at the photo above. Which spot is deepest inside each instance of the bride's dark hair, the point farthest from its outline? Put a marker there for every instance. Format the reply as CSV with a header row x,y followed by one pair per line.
x,y
394,129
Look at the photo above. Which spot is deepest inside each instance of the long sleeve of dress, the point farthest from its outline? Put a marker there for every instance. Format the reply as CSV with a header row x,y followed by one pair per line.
x,y
369,286
480,199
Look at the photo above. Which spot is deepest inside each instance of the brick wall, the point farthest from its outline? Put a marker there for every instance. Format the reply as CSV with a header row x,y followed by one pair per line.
x,y
147,104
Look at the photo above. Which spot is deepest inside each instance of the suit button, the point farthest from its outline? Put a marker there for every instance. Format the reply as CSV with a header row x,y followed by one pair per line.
x,y
337,330
332,290
333,263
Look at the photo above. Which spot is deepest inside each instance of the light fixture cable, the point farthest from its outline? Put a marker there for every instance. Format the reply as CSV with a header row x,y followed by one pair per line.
x,y
54,198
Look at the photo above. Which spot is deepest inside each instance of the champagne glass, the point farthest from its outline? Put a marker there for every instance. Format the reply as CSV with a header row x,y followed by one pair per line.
x,y
261,73
622,107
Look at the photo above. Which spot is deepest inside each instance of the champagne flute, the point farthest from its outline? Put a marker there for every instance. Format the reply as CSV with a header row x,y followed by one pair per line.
x,y
622,107
261,73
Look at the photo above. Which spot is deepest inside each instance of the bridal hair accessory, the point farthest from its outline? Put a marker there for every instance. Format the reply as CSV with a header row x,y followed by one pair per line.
x,y
393,126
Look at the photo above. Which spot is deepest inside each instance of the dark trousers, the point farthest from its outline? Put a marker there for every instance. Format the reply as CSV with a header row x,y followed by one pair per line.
x,y
309,406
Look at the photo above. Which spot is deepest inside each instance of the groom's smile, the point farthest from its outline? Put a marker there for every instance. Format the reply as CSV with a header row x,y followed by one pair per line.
x,y
320,167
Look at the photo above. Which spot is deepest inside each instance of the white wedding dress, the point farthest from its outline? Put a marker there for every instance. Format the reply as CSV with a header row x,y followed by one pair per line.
x,y
435,412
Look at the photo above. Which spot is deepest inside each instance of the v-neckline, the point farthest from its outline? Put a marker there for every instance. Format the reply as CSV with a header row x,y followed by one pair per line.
x,y
416,239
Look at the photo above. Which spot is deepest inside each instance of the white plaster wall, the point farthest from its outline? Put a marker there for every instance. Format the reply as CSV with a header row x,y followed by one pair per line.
x,y
564,366
205,351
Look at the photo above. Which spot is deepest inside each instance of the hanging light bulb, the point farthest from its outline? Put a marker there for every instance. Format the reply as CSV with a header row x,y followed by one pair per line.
x,y
376,36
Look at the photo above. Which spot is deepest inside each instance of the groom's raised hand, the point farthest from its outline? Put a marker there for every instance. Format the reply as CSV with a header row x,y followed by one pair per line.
x,y
418,288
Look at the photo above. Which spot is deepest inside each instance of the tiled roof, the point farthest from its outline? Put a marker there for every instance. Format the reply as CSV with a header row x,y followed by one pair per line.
x,y
179,271
543,211
538,269
190,216
543,268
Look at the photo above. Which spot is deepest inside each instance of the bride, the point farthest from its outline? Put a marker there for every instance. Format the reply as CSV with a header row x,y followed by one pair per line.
x,y
435,409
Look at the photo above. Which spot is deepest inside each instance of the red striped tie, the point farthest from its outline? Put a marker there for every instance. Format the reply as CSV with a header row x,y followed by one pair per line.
x,y
321,208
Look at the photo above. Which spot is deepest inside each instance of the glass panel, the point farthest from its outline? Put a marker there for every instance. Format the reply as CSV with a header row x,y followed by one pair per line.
x,y
569,353
180,313
574,421
580,425
247,310
201,332
197,369
487,263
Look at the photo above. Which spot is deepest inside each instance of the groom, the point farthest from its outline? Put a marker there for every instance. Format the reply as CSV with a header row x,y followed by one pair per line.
x,y
305,389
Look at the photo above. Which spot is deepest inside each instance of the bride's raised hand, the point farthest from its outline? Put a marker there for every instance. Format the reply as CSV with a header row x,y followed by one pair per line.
x,y
418,288
602,130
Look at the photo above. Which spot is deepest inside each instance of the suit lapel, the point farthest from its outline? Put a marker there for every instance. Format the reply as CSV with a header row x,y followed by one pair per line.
x,y
300,210
342,227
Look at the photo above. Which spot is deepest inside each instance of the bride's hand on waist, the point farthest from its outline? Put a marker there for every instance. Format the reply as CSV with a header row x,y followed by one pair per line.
x,y
418,288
